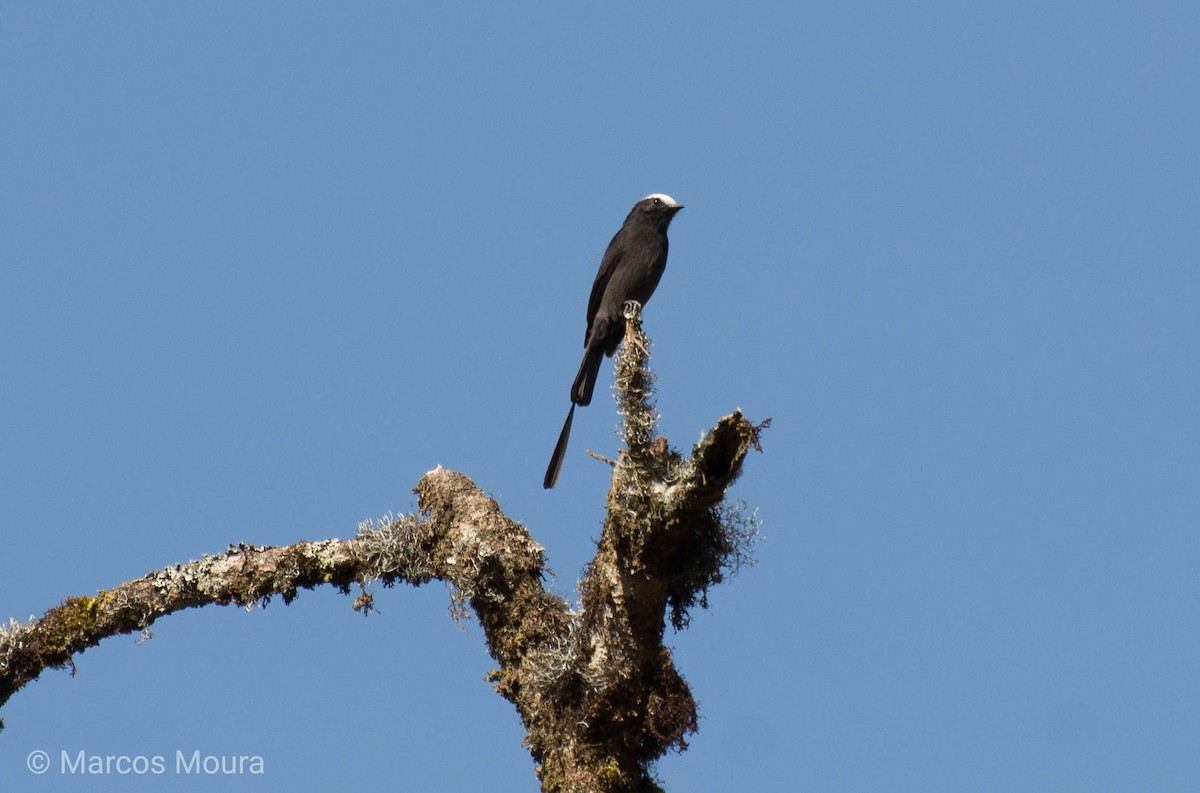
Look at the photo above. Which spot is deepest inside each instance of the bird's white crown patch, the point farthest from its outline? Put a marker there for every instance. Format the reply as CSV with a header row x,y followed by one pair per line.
x,y
666,199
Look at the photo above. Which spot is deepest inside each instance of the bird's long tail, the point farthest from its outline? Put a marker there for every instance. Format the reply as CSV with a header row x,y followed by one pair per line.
x,y
589,370
560,450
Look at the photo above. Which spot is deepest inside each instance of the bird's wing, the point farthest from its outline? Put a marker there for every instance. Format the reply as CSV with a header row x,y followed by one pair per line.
x,y
608,265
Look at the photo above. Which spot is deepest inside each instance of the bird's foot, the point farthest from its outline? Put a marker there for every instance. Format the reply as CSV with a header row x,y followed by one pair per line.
x,y
633,322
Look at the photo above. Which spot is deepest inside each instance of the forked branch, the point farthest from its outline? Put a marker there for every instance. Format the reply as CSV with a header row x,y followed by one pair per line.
x,y
596,687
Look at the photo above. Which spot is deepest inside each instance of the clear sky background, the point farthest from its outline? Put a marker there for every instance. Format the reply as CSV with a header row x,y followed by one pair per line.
x,y
264,264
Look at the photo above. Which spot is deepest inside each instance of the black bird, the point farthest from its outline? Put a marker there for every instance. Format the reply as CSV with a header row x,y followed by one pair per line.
x,y
630,270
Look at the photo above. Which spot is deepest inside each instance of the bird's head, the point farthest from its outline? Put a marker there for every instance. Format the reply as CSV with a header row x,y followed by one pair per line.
x,y
659,207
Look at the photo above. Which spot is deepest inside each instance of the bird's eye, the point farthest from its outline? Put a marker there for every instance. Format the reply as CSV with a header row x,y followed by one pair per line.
x,y
657,201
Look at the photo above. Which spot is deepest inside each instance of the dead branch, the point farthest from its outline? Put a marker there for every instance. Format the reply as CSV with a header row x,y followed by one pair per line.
x,y
596,688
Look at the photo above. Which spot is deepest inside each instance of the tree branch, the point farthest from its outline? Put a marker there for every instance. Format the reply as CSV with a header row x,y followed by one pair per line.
x,y
597,690
664,541
485,557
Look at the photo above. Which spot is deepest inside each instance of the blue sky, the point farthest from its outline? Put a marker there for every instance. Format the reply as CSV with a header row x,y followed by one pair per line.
x,y
263,265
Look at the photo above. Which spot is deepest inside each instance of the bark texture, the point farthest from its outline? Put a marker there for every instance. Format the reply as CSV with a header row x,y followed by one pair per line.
x,y
596,688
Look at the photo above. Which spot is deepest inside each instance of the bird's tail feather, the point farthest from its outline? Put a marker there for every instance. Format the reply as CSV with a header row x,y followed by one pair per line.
x,y
560,451
585,381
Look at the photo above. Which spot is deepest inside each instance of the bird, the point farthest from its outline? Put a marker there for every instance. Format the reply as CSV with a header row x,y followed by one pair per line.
x,y
630,269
